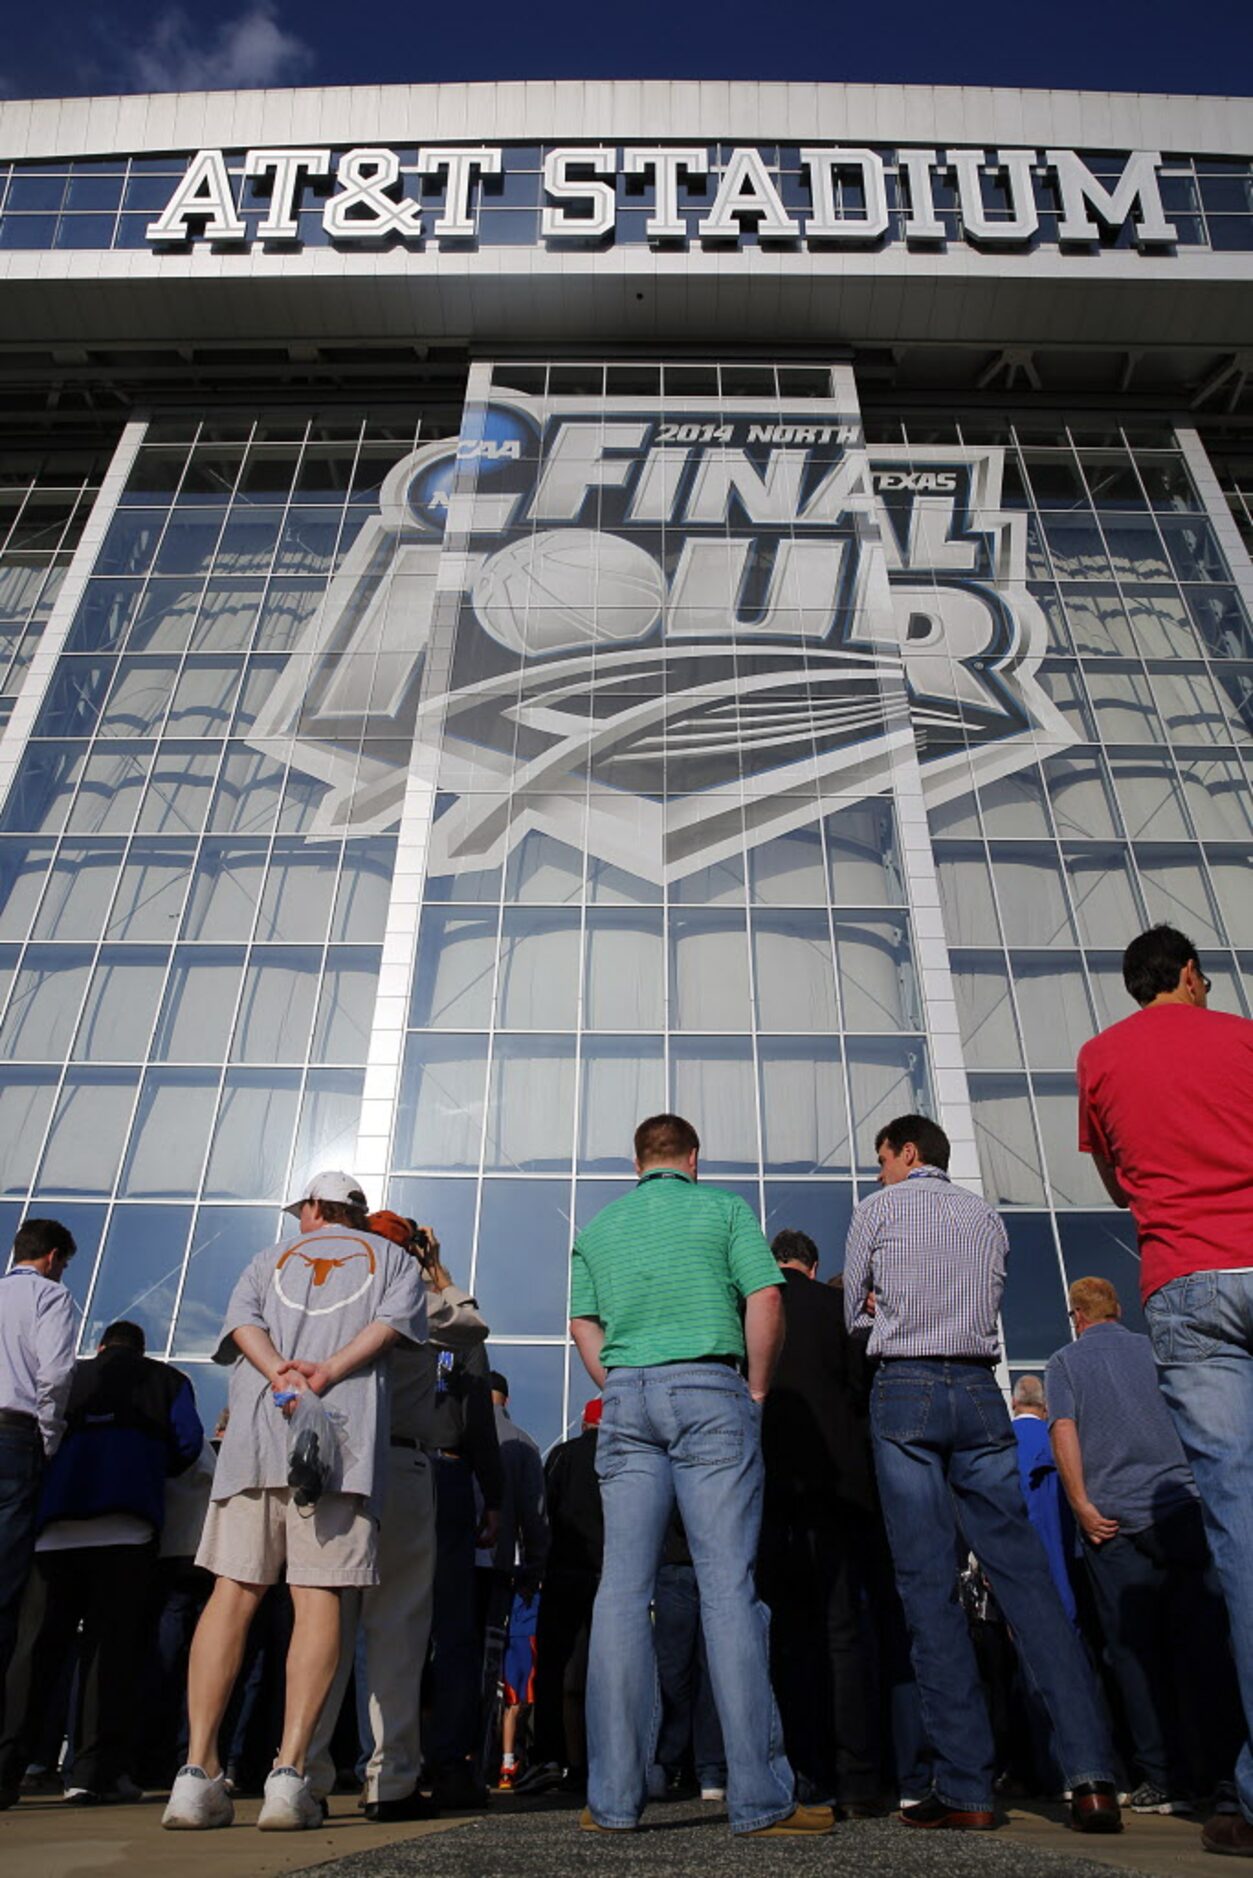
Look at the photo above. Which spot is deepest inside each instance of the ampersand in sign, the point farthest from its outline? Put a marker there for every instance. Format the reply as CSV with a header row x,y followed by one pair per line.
x,y
364,178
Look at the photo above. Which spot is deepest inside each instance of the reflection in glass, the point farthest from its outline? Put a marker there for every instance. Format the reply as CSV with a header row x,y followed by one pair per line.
x,y
804,1117
1107,906
862,855
522,1272
439,1115
25,1104
140,1266
121,1004
1009,1157
711,1080
537,986
985,1011
623,1079
530,1112
1073,1179
151,890
452,984
330,1116
887,1077
625,967
276,1009
1079,789
226,1239
80,887
541,868
708,971
794,975
966,894
1175,890
1033,1306
821,1208
878,986
44,1003
788,870
346,1005
89,1129
1052,1007
1031,895
252,1140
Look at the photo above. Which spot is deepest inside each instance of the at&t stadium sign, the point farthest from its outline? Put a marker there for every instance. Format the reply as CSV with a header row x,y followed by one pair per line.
x,y
812,196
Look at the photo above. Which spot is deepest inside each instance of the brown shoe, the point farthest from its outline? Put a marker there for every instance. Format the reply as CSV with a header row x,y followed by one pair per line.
x,y
1094,1807
588,1824
801,1819
932,1815
1229,1833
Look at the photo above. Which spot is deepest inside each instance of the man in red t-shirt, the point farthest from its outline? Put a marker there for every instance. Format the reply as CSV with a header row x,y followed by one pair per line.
x,y
1166,1112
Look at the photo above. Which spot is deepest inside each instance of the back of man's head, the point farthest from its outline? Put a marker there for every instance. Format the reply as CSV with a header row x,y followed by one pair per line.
x,y
1095,1299
499,1385
1153,961
927,1136
791,1247
1029,1393
37,1237
665,1139
124,1336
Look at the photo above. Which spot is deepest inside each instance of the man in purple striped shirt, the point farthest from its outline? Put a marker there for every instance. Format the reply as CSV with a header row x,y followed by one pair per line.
x,y
925,1261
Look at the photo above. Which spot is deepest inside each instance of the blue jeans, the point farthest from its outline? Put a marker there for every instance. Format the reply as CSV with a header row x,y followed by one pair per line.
x,y
947,1466
1202,1332
456,1649
689,1718
685,1431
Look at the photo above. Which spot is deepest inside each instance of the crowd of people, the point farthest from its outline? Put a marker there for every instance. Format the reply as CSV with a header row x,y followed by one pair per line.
x,y
802,1557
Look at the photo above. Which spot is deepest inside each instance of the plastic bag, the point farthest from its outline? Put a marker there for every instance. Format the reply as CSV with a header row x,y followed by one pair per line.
x,y
312,1448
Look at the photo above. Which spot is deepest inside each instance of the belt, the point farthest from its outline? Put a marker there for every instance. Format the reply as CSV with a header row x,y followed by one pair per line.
x,y
976,1362
18,1418
403,1441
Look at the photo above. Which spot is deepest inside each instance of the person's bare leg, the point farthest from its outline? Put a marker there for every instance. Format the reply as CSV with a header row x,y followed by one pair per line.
x,y
509,1727
312,1658
217,1650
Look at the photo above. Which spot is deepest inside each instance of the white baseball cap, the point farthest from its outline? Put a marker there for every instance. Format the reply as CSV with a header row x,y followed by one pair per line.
x,y
343,1188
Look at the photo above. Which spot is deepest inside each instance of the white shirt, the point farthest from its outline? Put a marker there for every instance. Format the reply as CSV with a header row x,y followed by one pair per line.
x,y
38,1334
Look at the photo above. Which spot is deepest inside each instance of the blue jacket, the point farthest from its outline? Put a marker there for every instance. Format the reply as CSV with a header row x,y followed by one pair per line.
x,y
130,1423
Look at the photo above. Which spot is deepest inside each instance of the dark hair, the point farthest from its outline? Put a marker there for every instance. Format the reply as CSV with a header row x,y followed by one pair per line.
x,y
1153,962
665,1138
37,1237
124,1336
797,1246
499,1383
340,1213
927,1136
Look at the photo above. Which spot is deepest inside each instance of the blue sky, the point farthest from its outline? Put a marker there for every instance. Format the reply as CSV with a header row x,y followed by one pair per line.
x,y
76,46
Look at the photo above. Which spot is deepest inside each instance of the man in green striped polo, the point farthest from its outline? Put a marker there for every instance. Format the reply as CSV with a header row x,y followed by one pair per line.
x,y
674,1294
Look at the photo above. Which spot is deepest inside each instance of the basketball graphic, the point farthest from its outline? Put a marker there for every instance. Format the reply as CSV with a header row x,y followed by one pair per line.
x,y
566,589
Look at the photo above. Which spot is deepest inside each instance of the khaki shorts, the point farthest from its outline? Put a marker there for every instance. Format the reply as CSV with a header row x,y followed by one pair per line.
x,y
253,1534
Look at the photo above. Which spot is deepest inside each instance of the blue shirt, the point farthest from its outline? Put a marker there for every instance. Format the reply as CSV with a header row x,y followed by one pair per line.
x,y
1134,1468
934,1256
1041,1489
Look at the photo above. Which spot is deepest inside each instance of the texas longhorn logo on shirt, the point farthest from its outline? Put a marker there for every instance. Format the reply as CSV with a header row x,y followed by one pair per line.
x,y
652,628
320,1275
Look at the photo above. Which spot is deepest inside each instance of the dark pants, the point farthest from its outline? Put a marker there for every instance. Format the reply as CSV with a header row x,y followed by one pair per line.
x,y
821,1656
561,1639
689,1715
21,1464
456,1649
180,1592
1165,1629
106,1588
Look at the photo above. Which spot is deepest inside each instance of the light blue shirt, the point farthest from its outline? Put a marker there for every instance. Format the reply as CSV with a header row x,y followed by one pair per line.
x,y
38,1336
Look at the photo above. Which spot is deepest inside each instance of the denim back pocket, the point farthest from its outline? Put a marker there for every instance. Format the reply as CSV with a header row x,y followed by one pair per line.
x,y
900,1407
1182,1319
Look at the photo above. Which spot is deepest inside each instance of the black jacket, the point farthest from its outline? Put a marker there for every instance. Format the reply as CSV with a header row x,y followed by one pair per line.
x,y
815,1436
574,1511
130,1423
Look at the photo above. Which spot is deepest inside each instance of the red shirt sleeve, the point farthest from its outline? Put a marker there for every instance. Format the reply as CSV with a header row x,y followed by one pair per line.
x,y
1091,1134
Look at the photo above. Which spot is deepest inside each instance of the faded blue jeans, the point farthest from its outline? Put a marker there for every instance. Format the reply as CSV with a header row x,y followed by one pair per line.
x,y
1202,1332
687,1432
947,1465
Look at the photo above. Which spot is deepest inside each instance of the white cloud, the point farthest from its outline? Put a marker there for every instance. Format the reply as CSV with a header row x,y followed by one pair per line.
x,y
250,50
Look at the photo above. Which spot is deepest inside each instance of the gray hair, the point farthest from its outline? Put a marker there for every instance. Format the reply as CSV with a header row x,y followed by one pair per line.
x,y
1029,1393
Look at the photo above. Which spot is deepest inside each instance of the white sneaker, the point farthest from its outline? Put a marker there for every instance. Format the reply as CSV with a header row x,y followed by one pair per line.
x,y
197,1803
289,1805
713,1793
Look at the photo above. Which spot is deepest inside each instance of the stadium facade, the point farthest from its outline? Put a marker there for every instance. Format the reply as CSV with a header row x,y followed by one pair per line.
x,y
526,604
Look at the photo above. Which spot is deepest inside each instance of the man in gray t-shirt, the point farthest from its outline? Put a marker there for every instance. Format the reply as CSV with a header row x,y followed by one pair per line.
x,y
1135,1503
318,1313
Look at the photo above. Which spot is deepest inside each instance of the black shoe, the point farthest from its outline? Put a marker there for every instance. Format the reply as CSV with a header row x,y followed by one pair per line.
x,y
933,1815
457,1788
9,1796
858,1809
415,1805
1230,1834
1094,1807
